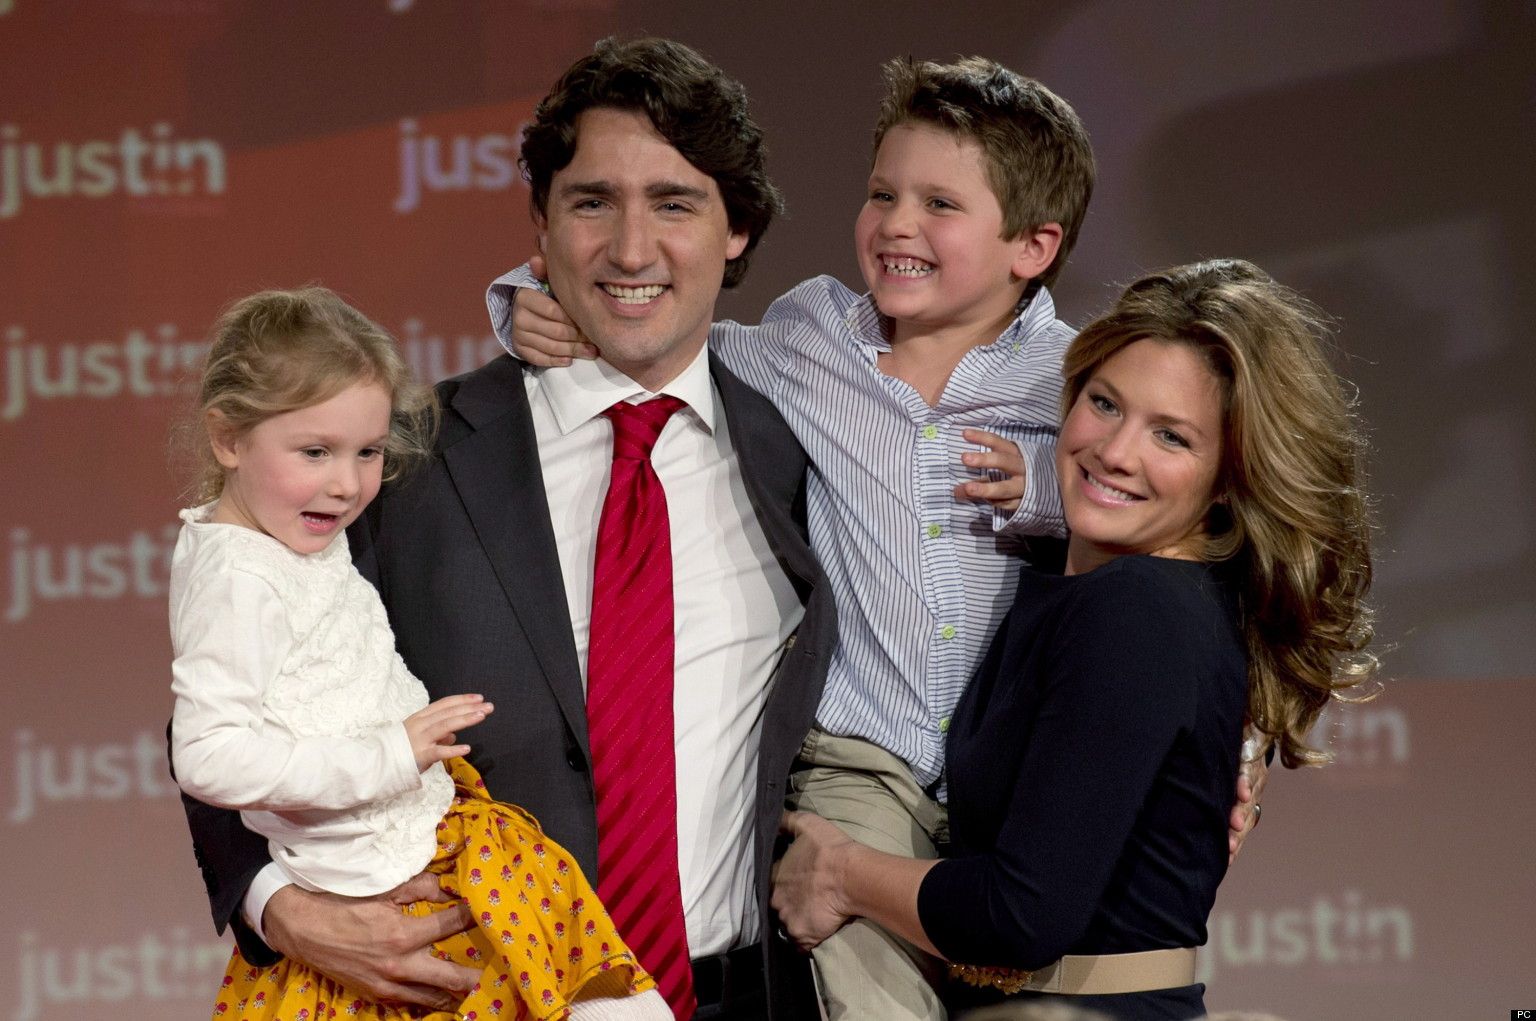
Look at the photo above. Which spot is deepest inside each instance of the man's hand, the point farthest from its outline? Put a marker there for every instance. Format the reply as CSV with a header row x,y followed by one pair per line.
x,y
542,334
433,730
368,945
1003,455
807,881
1252,775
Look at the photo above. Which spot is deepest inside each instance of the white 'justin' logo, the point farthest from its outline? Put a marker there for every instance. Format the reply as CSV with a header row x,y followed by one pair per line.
x,y
156,165
461,163
48,573
145,363
152,968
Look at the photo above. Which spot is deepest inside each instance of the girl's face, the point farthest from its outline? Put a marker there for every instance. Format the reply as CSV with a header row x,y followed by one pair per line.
x,y
303,476
1139,455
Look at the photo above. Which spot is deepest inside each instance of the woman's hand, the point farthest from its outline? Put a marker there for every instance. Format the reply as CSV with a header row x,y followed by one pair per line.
x,y
1252,776
808,891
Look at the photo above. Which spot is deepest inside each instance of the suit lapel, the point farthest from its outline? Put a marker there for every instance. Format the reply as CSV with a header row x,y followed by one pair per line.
x,y
495,469
772,466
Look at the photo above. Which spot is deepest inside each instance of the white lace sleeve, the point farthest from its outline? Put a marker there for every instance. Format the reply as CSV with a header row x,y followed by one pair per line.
x,y
231,637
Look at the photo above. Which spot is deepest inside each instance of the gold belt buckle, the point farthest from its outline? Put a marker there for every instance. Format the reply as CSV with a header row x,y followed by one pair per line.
x,y
1006,980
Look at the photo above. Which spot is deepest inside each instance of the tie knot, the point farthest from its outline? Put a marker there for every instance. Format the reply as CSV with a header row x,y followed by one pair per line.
x,y
636,426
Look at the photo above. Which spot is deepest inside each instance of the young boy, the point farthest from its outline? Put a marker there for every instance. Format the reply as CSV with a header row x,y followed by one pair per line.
x,y
950,365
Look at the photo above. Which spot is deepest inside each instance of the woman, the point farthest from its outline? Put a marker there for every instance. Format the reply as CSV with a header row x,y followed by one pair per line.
x,y
1218,560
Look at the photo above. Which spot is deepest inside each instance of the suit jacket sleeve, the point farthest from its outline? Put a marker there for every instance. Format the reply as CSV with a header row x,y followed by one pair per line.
x,y
229,856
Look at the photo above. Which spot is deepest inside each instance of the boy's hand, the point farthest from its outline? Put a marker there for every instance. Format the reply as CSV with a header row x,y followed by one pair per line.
x,y
542,334
1002,455
432,730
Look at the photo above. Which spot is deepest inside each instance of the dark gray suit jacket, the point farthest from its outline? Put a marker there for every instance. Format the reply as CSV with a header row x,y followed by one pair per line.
x,y
463,554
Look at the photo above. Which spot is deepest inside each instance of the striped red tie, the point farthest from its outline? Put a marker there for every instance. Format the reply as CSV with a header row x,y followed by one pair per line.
x,y
629,707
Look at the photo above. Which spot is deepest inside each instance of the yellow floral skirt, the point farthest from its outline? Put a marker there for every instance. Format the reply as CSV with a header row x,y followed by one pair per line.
x,y
542,932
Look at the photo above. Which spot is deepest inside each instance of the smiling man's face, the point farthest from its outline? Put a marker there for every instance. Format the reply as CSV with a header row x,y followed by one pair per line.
x,y
636,239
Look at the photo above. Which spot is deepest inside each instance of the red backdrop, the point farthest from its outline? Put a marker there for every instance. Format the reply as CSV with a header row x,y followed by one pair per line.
x,y
159,158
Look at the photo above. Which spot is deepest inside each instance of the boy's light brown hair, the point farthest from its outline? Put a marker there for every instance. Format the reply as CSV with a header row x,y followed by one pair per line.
x,y
1038,158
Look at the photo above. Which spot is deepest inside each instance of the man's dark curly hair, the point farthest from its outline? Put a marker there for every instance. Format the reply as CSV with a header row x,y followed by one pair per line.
x,y
700,111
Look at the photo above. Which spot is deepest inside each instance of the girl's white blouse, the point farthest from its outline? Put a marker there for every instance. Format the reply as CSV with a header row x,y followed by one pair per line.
x,y
290,699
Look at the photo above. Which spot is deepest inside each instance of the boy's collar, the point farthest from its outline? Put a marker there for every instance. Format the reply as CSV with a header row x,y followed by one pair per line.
x,y
865,321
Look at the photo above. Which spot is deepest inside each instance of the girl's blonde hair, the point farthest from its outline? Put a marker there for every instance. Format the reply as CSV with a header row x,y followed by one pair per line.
x,y
1291,517
279,351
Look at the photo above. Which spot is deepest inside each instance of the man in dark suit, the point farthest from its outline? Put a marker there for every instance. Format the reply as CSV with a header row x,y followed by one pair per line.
x,y
649,191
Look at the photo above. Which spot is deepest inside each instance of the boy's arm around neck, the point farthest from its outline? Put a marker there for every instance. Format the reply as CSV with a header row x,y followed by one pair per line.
x,y
803,316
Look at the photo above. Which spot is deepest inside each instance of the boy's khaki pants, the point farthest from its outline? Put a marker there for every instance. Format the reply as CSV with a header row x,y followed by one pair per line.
x,y
862,971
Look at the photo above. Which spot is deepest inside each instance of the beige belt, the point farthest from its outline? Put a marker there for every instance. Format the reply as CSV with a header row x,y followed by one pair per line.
x,y
1090,974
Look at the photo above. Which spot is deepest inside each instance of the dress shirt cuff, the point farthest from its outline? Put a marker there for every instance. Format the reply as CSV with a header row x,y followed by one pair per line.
x,y
499,297
267,882
401,757
1039,512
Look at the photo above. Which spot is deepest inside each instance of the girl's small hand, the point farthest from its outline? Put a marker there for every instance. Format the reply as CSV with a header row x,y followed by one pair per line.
x,y
808,880
542,334
433,730
1004,456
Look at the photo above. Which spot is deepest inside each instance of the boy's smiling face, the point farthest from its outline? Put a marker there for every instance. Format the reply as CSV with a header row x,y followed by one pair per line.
x,y
929,238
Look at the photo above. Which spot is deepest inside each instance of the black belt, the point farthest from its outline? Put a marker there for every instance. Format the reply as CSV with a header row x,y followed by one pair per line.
x,y
723,978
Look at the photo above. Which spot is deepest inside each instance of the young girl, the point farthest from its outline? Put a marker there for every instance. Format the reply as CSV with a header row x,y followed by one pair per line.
x,y
290,696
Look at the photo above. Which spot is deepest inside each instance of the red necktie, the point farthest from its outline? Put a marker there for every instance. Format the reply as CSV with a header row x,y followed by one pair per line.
x,y
629,707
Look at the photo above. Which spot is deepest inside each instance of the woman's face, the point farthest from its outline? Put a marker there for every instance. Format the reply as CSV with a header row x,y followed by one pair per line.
x,y
1139,454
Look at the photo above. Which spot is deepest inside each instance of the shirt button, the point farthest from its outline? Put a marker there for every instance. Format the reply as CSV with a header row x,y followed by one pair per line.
x,y
947,632
944,725
934,531
930,432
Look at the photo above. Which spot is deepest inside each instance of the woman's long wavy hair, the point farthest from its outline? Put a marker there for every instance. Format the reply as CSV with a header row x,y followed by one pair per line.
x,y
1291,517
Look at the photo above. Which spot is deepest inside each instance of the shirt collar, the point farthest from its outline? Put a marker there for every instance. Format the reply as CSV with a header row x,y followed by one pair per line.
x,y
577,394
588,388
865,322
1037,315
